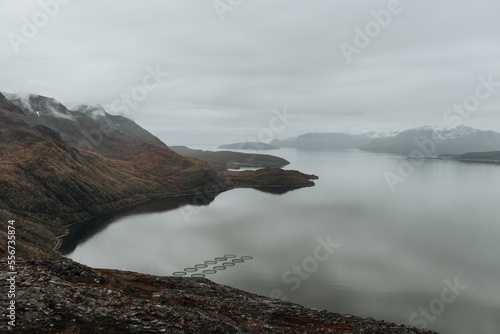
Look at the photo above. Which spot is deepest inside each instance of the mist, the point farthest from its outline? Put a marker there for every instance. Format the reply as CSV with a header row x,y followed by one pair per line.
x,y
336,66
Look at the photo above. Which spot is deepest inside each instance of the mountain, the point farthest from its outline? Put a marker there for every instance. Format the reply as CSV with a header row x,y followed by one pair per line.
x,y
52,174
232,160
336,141
432,141
88,128
119,124
254,146
420,141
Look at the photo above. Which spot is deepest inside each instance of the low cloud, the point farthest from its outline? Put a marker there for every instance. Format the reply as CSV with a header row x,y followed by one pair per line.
x,y
227,76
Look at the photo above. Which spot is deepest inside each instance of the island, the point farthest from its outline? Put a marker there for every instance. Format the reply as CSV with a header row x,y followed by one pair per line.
x,y
475,157
255,146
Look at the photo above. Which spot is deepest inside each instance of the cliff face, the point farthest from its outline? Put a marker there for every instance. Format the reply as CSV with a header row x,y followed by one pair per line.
x,y
50,178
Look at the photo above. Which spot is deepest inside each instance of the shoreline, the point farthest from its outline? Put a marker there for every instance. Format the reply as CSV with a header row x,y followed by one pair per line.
x,y
59,238
73,296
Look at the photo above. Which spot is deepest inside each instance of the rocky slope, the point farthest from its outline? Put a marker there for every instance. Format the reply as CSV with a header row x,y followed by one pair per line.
x,y
67,297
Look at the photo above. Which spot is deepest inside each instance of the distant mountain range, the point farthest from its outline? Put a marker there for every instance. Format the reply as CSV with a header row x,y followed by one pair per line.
x,y
421,141
339,141
434,141
253,146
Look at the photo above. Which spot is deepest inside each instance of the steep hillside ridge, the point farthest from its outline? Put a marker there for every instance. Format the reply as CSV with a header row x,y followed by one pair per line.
x,y
118,124
46,183
82,131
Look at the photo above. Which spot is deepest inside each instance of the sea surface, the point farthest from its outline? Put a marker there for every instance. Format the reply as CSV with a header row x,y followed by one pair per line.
x,y
425,252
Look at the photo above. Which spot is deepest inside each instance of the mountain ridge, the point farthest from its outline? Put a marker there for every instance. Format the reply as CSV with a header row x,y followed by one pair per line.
x,y
429,140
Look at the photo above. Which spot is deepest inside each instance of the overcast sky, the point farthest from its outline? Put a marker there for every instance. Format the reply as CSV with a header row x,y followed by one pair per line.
x,y
231,63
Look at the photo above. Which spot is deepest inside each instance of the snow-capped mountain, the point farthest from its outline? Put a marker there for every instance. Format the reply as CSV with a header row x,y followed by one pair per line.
x,y
432,141
379,134
118,123
424,140
34,106
83,126
460,131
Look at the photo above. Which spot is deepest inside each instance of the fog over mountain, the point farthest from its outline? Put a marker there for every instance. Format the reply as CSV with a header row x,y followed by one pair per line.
x,y
428,141
206,72
415,142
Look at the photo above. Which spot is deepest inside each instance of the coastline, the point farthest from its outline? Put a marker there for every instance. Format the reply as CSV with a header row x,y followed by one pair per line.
x,y
276,189
59,239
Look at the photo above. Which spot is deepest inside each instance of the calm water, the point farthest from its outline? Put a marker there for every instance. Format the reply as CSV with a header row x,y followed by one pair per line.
x,y
399,251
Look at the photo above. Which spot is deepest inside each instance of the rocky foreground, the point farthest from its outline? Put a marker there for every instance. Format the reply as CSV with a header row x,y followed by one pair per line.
x,y
66,297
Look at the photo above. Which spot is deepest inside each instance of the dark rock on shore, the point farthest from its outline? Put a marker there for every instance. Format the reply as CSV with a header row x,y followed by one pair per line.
x,y
478,157
271,178
63,296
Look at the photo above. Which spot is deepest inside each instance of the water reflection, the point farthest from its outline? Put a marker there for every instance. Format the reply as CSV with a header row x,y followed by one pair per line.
x,y
397,249
80,232
276,191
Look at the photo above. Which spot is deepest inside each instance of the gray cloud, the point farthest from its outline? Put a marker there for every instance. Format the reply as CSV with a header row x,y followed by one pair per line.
x,y
227,76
